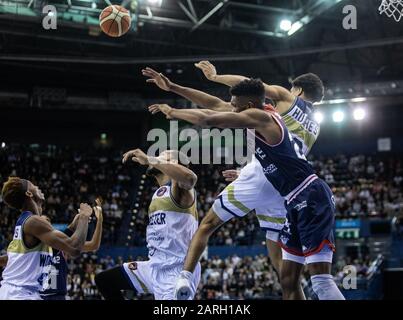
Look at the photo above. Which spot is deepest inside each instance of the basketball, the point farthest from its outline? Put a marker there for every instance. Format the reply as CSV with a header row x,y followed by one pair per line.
x,y
115,21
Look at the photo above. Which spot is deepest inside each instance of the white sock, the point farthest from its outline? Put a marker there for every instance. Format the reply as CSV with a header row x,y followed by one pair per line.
x,y
325,287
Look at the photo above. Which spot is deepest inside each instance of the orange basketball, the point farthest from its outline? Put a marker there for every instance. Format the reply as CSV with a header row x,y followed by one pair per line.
x,y
115,20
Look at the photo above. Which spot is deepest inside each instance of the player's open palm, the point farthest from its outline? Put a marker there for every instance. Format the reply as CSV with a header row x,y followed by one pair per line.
x,y
208,69
157,78
164,108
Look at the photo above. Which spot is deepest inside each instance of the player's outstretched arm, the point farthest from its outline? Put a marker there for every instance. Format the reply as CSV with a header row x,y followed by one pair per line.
x,y
43,230
183,176
251,118
281,95
210,72
198,97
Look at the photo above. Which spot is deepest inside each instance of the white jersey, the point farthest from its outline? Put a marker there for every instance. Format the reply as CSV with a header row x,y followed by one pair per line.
x,y
26,267
171,227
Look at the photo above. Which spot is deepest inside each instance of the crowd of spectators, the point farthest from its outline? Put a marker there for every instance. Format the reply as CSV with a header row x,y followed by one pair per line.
x,y
364,186
68,177
231,278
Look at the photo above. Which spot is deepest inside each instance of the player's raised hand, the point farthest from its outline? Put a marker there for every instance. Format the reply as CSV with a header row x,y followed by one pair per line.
x,y
136,155
230,175
98,208
208,69
85,210
164,108
157,78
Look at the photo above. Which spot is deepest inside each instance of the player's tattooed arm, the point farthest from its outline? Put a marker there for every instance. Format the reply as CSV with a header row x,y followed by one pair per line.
x,y
281,95
198,97
43,230
3,260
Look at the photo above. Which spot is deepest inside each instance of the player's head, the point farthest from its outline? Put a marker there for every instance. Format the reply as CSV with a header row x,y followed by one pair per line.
x,y
22,194
309,87
170,156
247,94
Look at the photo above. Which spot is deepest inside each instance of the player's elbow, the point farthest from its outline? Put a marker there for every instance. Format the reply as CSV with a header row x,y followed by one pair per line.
x,y
191,179
90,248
74,252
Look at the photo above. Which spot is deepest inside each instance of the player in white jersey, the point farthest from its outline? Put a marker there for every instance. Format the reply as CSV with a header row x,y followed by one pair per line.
x,y
29,254
173,221
241,196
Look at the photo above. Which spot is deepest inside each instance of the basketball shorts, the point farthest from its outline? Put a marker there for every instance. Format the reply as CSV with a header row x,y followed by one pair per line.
x,y
310,222
157,277
11,292
251,192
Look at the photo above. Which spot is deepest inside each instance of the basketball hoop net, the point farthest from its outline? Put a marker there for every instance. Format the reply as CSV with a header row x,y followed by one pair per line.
x,y
392,8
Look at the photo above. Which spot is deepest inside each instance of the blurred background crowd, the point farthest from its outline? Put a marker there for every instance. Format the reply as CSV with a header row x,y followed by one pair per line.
x,y
364,186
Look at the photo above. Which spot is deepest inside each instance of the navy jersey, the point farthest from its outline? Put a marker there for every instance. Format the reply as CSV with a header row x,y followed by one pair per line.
x,y
284,164
58,274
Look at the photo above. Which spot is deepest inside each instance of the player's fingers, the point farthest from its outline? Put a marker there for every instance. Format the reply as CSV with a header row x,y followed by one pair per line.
x,y
135,159
147,73
152,71
151,81
163,77
206,64
125,156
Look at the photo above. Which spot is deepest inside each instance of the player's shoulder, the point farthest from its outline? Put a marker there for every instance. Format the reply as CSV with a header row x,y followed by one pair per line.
x,y
258,114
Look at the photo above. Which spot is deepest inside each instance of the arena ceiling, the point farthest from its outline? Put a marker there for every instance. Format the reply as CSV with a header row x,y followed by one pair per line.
x,y
240,36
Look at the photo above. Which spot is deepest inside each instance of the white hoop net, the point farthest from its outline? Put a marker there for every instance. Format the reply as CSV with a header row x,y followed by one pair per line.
x,y
392,8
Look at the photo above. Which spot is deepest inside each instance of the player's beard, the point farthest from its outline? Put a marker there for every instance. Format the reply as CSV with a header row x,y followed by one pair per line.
x,y
153,172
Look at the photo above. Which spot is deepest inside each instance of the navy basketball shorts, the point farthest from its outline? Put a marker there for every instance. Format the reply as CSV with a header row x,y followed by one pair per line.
x,y
310,220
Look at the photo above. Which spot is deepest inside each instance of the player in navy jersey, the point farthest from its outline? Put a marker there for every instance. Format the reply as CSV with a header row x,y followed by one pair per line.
x,y
307,236
57,288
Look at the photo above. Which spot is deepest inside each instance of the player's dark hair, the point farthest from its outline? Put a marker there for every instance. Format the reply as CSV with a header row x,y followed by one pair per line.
x,y
13,192
253,88
311,85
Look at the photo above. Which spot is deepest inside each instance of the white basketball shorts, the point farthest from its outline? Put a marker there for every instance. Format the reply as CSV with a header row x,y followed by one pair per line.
x,y
157,277
252,192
